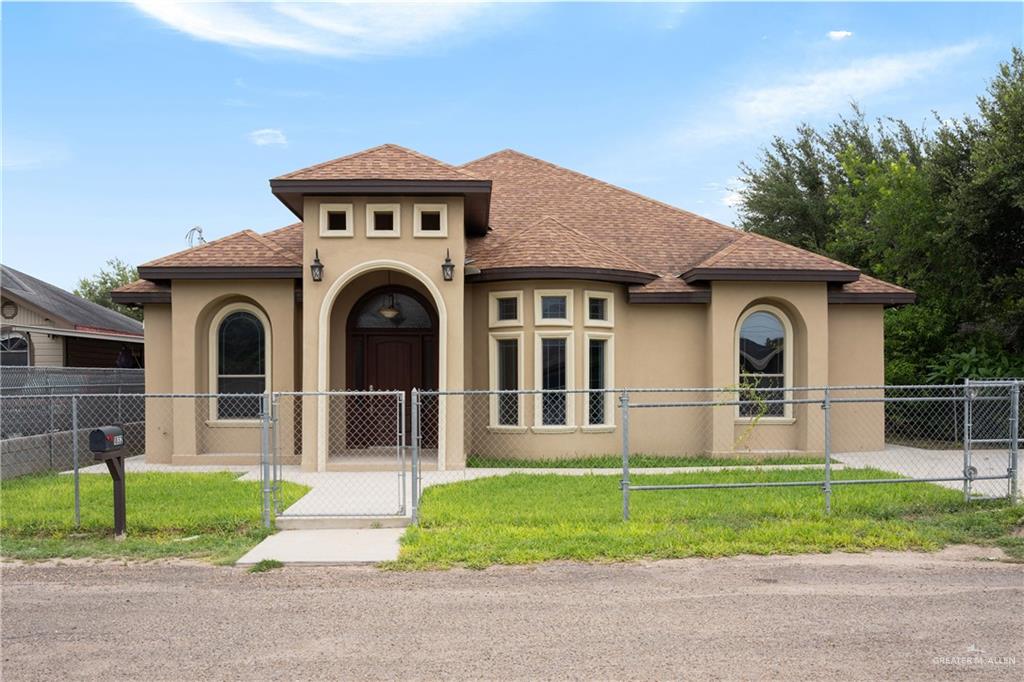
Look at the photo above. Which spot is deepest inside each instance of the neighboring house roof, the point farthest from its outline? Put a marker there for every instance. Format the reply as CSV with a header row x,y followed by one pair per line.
x,y
547,221
81,314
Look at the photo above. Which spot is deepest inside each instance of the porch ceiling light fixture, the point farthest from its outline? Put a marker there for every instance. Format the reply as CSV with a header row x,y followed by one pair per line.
x,y
389,311
448,267
316,268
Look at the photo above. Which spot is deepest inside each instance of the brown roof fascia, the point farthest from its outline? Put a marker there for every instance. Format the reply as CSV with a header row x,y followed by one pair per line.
x,y
768,275
219,272
477,193
669,297
140,297
887,299
594,274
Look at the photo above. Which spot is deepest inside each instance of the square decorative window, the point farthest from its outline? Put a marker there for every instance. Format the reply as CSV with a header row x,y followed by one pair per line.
x,y
506,376
599,366
552,307
336,220
430,220
505,308
599,308
383,220
508,309
553,374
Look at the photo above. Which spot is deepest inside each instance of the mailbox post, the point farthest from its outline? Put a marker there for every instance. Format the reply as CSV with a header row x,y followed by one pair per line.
x,y
106,444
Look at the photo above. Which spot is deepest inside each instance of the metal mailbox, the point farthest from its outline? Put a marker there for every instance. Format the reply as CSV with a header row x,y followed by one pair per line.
x,y
107,443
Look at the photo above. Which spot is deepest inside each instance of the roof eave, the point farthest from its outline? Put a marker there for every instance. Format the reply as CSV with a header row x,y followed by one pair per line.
x,y
538,272
768,275
220,272
669,296
887,299
476,192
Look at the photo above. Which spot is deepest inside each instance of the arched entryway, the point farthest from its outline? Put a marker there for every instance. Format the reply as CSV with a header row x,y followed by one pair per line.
x,y
391,345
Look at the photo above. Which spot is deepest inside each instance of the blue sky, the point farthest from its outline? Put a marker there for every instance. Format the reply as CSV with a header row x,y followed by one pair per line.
x,y
126,124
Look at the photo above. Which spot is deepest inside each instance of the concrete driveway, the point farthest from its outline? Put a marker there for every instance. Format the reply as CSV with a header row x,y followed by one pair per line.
x,y
950,615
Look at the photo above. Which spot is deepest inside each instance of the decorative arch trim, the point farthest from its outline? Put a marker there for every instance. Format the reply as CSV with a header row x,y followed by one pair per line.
x,y
323,346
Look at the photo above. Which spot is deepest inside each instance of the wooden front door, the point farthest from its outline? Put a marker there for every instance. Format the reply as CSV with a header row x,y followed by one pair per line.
x,y
397,353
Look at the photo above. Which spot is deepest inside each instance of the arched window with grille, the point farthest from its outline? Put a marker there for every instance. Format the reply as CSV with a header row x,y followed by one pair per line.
x,y
764,362
14,350
240,361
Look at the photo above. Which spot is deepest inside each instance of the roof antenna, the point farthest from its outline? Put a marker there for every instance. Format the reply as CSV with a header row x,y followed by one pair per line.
x,y
195,235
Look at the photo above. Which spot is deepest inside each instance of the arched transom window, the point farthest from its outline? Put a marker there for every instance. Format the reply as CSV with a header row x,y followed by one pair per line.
x,y
240,360
763,340
14,350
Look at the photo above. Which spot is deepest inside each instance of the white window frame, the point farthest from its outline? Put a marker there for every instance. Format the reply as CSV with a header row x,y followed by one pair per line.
x,y
570,382
609,380
609,308
350,218
28,345
539,321
215,419
417,216
787,362
493,372
492,305
396,210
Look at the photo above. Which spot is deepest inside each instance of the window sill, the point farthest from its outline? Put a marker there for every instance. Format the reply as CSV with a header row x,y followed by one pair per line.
x,y
598,428
234,423
337,234
552,323
429,235
504,324
602,324
554,429
766,420
383,235
493,428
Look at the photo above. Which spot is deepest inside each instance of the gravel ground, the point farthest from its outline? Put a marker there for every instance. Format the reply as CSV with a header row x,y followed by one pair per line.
x,y
839,616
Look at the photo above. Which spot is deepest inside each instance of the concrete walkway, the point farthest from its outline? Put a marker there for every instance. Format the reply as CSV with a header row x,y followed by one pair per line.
x,y
327,547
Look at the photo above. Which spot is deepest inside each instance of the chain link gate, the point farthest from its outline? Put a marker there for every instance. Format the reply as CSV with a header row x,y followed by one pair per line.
x,y
362,454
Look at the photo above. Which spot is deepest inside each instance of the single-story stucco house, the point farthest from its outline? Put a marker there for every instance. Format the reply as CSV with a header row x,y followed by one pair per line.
x,y
507,272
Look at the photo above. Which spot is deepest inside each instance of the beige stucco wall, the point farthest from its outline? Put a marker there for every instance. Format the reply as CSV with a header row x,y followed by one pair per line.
x,y
348,264
856,358
178,347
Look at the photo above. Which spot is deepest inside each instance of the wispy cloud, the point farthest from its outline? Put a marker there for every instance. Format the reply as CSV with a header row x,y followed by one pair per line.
x,y
267,136
25,154
329,28
761,109
839,35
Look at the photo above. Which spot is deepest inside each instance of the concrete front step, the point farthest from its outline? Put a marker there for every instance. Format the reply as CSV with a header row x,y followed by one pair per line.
x,y
340,522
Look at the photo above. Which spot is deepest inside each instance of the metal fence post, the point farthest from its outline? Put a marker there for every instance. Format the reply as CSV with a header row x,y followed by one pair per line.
x,y
400,438
624,406
265,458
827,487
1014,440
414,419
74,458
967,440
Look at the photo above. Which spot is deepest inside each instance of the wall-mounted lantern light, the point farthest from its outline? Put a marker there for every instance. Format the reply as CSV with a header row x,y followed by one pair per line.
x,y
316,268
448,267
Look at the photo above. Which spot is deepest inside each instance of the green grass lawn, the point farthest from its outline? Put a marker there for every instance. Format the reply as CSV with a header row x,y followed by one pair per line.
x,y
637,462
209,516
523,518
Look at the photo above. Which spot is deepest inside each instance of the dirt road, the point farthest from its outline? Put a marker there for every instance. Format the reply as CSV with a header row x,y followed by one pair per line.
x,y
883,615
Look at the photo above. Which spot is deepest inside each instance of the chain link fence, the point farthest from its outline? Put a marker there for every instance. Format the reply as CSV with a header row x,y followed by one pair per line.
x,y
370,454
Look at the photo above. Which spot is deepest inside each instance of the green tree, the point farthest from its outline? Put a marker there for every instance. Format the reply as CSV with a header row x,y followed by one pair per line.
x,y
98,287
939,211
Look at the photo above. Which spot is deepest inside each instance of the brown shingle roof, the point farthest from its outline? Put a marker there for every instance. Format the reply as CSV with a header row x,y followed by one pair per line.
x,y
543,218
550,243
871,290
246,249
386,162
142,291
